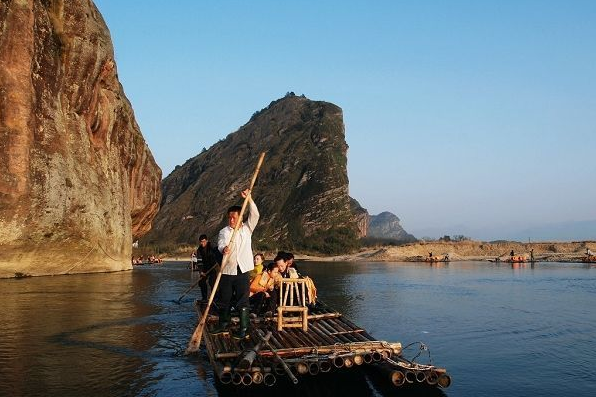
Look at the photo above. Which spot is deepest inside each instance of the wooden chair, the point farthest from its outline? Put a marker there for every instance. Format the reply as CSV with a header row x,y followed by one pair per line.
x,y
292,299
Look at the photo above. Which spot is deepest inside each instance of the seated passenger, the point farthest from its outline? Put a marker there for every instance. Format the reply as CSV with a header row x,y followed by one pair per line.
x,y
263,294
258,261
293,268
281,262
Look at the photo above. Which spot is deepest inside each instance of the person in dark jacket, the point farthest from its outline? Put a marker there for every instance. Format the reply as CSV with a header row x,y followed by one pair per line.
x,y
210,257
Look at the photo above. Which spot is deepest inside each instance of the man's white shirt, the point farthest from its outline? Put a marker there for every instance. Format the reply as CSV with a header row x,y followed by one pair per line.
x,y
241,252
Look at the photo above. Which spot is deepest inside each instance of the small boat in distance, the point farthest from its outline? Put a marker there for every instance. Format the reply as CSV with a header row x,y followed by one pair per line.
x,y
516,259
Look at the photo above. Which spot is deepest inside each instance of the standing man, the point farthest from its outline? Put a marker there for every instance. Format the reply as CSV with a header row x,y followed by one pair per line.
x,y
210,257
235,276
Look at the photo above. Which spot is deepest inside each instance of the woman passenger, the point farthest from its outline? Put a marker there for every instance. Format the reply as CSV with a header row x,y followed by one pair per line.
x,y
263,296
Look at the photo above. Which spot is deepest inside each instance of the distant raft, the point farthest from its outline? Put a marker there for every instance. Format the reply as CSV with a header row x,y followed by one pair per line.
x,y
302,340
516,259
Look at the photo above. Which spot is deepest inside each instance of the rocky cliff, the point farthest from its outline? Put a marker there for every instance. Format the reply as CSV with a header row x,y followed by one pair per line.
x,y
302,190
77,180
386,226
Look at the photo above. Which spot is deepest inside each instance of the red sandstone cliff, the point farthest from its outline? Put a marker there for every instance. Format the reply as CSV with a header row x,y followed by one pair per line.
x,y
77,180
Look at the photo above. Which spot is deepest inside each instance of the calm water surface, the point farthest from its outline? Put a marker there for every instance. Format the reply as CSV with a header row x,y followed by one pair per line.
x,y
500,330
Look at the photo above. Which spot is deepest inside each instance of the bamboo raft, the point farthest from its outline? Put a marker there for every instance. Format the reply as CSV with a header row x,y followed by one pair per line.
x,y
297,344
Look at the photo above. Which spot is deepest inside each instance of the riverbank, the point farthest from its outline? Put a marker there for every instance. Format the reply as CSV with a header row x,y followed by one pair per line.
x,y
456,251
467,251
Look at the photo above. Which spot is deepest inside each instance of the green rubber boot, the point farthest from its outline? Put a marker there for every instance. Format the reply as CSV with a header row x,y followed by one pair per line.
x,y
242,332
223,323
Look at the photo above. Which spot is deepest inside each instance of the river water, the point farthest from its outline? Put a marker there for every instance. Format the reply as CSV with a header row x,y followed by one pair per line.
x,y
499,329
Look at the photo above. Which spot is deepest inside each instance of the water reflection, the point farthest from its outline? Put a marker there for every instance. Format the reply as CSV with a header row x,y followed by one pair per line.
x,y
123,334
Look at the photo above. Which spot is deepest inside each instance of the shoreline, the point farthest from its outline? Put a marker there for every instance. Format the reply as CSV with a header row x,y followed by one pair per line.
x,y
550,251
466,251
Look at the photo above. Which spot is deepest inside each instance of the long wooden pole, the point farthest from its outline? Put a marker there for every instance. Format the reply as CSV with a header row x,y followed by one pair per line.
x,y
195,340
201,277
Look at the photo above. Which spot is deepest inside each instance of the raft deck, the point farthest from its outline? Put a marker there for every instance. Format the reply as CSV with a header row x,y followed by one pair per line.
x,y
330,343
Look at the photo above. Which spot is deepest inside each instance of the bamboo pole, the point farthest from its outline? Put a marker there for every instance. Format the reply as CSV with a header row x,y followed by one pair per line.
x,y
201,277
325,338
356,347
195,340
323,316
251,354
282,362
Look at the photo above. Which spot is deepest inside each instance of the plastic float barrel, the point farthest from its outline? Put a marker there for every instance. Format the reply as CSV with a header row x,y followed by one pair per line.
x,y
325,366
269,379
257,377
444,381
397,378
314,367
410,376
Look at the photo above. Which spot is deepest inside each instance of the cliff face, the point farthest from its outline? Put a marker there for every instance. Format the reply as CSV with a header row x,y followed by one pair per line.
x,y
77,180
386,226
302,190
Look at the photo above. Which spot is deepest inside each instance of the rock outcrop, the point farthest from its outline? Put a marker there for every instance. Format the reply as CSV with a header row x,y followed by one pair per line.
x,y
77,180
302,190
386,226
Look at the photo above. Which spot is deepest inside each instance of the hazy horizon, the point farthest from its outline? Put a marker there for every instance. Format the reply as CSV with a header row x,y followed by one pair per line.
x,y
461,113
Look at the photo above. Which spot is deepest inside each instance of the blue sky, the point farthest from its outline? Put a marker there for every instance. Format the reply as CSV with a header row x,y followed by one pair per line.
x,y
462,117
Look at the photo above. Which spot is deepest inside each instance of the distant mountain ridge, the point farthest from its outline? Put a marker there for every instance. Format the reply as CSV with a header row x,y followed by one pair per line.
x,y
301,192
386,225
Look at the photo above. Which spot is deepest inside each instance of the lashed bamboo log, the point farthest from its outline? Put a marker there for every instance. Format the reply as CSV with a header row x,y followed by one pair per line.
x,y
322,316
283,363
358,360
250,356
237,378
444,381
371,346
257,377
321,335
420,376
432,377
325,366
275,342
354,337
269,379
410,376
301,368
